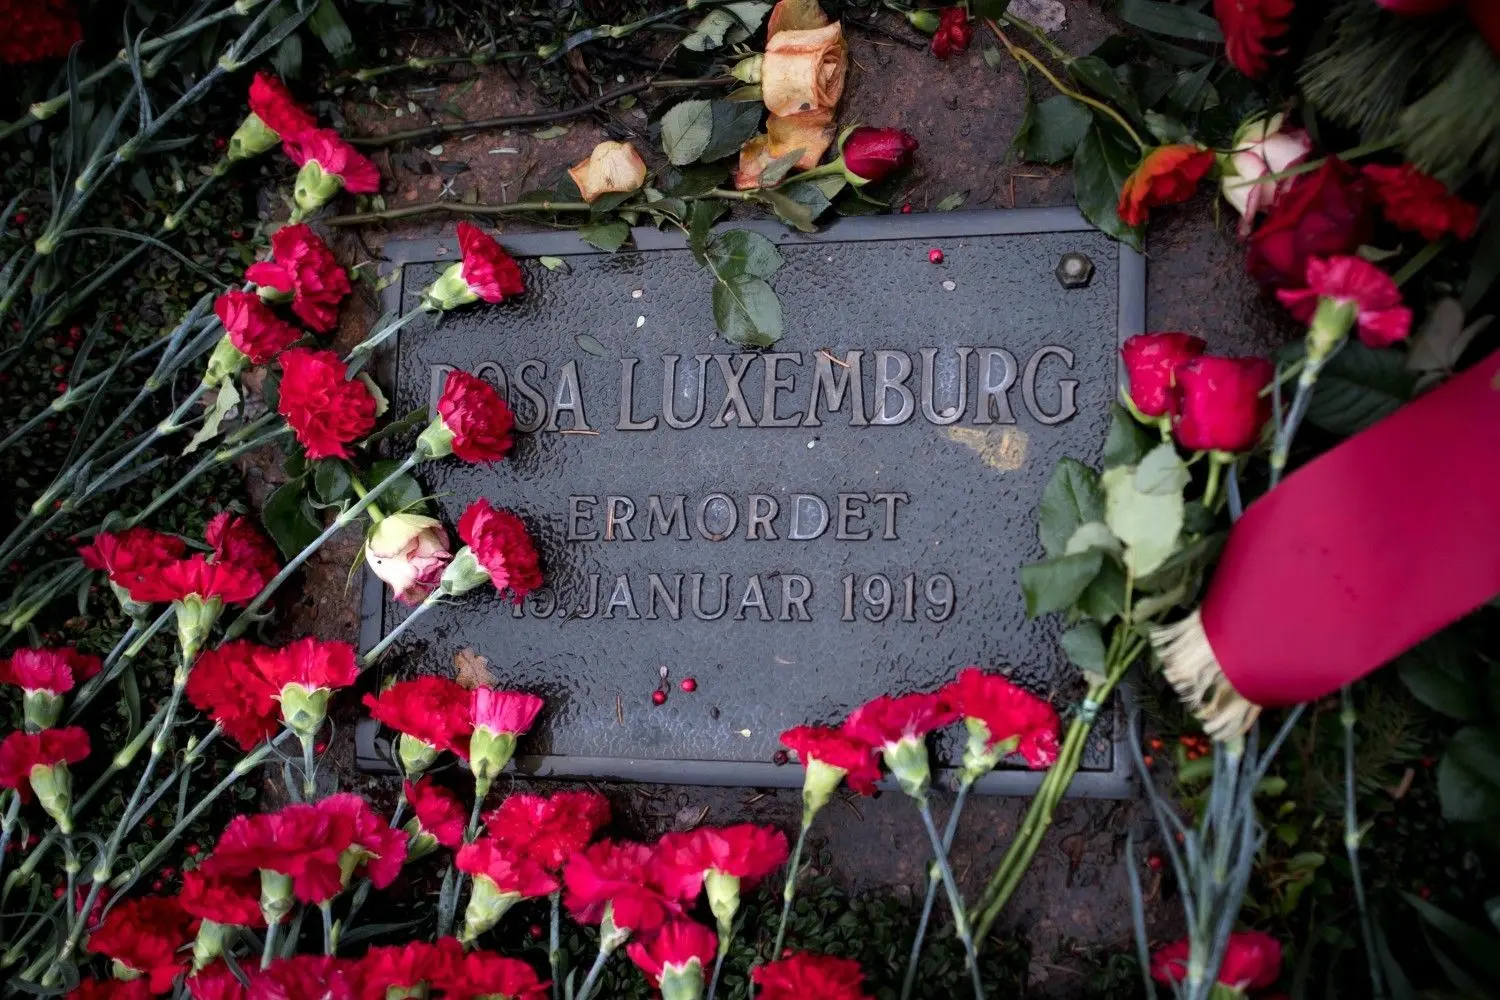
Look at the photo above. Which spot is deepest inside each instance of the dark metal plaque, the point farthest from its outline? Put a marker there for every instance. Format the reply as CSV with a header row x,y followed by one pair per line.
x,y
797,529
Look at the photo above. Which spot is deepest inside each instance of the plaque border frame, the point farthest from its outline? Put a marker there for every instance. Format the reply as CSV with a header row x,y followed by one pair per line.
x,y
1119,782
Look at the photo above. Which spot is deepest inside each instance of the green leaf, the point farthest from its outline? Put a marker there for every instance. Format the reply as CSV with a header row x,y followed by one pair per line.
x,y
554,264
1096,74
1100,166
1084,645
726,25
747,311
695,179
228,398
331,480
1469,776
1358,386
1128,441
1056,584
1444,674
989,10
550,132
1147,523
1072,498
404,494
609,236
1166,128
288,519
741,251
1162,472
734,122
590,345
1056,127
1093,535
1171,19
328,24
790,206
1479,947
686,130
780,167
701,219
951,202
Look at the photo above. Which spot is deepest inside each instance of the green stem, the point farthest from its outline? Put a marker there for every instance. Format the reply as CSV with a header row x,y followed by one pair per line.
x,y
554,943
454,208
361,351
1419,260
789,891
934,878
955,900
593,977
385,643
1352,841
1038,36
268,953
223,456
1023,56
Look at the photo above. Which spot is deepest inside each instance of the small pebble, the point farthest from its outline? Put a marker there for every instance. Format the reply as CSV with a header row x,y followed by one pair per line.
x,y
658,697
689,685
935,255
949,285
640,321
637,293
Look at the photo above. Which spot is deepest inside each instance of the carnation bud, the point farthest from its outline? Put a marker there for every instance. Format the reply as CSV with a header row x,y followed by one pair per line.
x,y
747,70
980,758
436,441
464,573
275,896
225,361
303,709
723,897
819,782
195,620
489,752
421,843
42,708
449,291
611,935
924,21
314,187
124,973
53,785
682,982
416,755
487,904
252,138
209,944
1331,323
907,759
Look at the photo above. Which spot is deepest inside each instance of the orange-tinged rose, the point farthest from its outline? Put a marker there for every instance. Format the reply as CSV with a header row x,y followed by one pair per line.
x,y
804,70
755,157
811,131
612,166
795,15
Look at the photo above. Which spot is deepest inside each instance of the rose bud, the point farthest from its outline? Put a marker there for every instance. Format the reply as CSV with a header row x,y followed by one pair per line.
x,y
873,154
953,33
1250,28
804,69
611,167
1165,176
1150,359
1260,148
409,552
1219,403
1323,214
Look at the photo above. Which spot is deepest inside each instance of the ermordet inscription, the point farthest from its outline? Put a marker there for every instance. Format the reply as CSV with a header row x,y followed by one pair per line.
x,y
796,529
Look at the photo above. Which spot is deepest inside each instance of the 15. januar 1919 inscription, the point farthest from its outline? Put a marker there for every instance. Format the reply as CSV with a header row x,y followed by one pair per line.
x,y
797,529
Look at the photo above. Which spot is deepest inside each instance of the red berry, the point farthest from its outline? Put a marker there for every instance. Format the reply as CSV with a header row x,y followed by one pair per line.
x,y
536,930
935,255
906,209
168,872
689,685
156,886
236,234
62,387
193,850
1154,862
20,218
658,697
780,757
1147,760
1425,892
319,747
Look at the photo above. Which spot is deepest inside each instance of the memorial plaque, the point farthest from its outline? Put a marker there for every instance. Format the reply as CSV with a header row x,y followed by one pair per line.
x,y
797,529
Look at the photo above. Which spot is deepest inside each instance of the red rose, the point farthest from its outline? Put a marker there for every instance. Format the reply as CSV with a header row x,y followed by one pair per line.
x,y
307,977
1422,204
255,331
1219,403
953,34
303,267
20,752
37,30
492,274
174,581
1165,176
227,684
336,157
114,989
1150,359
885,721
509,871
477,417
144,935
510,712
434,710
438,811
313,663
484,973
643,891
53,670
1381,318
872,154
324,409
674,949
210,893
1322,214
744,851
838,750
502,547
277,109
1007,712
236,540
130,551
405,968
1251,962
548,829
1249,25
803,976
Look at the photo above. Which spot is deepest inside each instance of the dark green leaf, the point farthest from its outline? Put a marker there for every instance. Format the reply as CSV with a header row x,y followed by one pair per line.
x,y
608,236
780,167
606,203
328,24
1073,497
701,218
741,251
1056,584
1358,386
1100,167
1446,676
1084,644
1469,777
1098,76
697,179
989,10
951,202
1479,947
686,130
1128,441
1166,128
1170,19
791,208
1057,126
331,481
1484,266
287,521
590,345
404,494
747,311
733,123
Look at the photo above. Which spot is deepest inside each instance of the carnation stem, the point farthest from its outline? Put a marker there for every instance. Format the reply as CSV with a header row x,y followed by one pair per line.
x,y
380,647
1352,839
268,953
119,658
723,952
455,208
593,977
360,352
8,823
330,939
789,891
222,456
1419,260
934,878
554,944
955,900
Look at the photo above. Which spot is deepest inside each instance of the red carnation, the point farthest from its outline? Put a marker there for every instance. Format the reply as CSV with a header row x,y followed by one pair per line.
x,y
953,33
510,712
439,813
1322,214
134,550
335,157
406,968
1420,203
1353,281
312,663
216,982
303,267
144,935
476,417
1150,359
116,989
211,893
228,685
885,721
1006,712
307,977
277,109
803,976
20,752
548,829
673,949
631,878
235,539
37,30
838,750
1249,25
254,330
744,851
52,670
1219,403
1251,962
1165,176
484,973
502,547
174,581
510,872
325,409
432,709
873,154
491,273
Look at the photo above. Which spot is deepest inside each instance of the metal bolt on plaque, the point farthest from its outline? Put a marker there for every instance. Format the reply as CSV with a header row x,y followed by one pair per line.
x,y
1075,270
